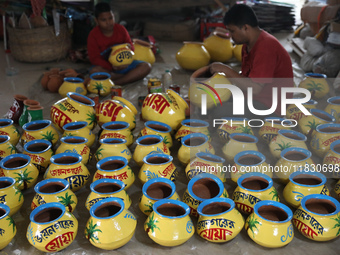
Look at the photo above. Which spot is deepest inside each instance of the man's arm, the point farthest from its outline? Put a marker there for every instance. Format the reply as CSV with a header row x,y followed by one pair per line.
x,y
94,54
241,81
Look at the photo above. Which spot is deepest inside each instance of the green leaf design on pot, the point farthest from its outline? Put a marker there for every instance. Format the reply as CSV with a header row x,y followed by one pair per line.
x,y
48,136
283,146
252,222
11,222
151,224
12,148
149,206
314,86
66,201
89,232
246,130
23,178
18,191
312,126
99,86
16,131
166,140
275,195
91,118
98,154
225,194
337,225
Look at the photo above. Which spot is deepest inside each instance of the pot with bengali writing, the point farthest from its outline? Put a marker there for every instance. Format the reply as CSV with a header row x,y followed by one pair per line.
x,y
73,107
307,125
54,190
168,107
303,183
40,152
294,112
219,221
332,159
8,228
68,166
154,190
316,83
190,126
10,195
270,225
202,187
112,147
100,83
158,128
157,165
117,129
271,127
52,228
323,137
333,107
337,188
251,189
7,128
233,125
6,147
318,217
39,129
80,128
105,188
115,167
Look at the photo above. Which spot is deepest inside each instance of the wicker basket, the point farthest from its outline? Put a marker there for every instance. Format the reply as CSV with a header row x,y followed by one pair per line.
x,y
39,44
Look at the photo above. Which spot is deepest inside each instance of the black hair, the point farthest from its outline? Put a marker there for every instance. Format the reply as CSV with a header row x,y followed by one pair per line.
x,y
240,15
100,8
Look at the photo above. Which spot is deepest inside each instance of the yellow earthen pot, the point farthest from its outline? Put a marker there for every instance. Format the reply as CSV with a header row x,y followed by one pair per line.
x,y
117,129
72,84
192,56
316,83
323,137
233,125
10,195
39,129
80,128
333,107
271,127
191,126
219,47
293,112
308,123
143,51
40,152
7,128
121,55
7,226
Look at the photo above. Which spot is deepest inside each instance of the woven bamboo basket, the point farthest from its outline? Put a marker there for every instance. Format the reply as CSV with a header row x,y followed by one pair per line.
x,y
39,44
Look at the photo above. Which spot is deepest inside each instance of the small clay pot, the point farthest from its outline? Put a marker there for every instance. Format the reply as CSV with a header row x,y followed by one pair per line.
x,y
69,73
55,70
45,79
54,82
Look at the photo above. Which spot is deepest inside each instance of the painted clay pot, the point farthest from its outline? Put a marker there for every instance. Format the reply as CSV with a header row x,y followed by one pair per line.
x,y
20,167
270,225
191,126
251,189
143,51
219,47
239,142
237,52
169,224
192,144
271,127
333,107
16,109
126,103
100,83
115,167
10,195
113,110
40,152
110,225
7,128
154,190
8,228
106,188
80,128
157,165
54,190
332,159
206,163
54,82
72,84
202,187
337,188
68,166
286,139
293,159
201,81
317,218
121,55
293,112
192,56
158,128
168,107
24,116
73,107
309,123
52,228
39,129
112,147
75,144
233,125
323,137
249,162
117,129
149,144
304,183
316,83
6,148
219,221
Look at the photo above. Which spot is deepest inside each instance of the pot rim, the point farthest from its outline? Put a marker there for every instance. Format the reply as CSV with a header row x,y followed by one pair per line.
x,y
202,176
126,124
9,122
329,100
246,135
6,137
100,73
28,124
315,75
160,155
150,122
73,80
149,136
215,200
293,132
323,112
171,201
45,206
185,121
7,179
326,125
84,140
49,146
250,152
69,94
16,155
280,205
202,154
333,144
66,154
6,209
252,174
321,197
74,123
194,135
107,140
112,158
104,201
113,181
298,149
316,174
42,183
159,179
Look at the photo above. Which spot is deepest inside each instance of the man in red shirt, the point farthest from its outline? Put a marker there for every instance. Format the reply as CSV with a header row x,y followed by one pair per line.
x,y
101,38
265,62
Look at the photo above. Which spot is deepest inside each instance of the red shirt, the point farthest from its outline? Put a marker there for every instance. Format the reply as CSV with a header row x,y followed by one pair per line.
x,y
269,63
97,42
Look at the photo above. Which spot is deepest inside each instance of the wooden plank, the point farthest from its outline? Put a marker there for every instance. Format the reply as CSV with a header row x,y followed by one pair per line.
x,y
161,4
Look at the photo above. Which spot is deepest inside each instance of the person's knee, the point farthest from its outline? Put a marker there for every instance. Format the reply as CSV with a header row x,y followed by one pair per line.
x,y
146,67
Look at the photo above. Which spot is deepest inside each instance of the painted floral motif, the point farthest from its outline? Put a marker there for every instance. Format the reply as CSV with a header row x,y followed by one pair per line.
x,y
151,224
90,232
66,201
